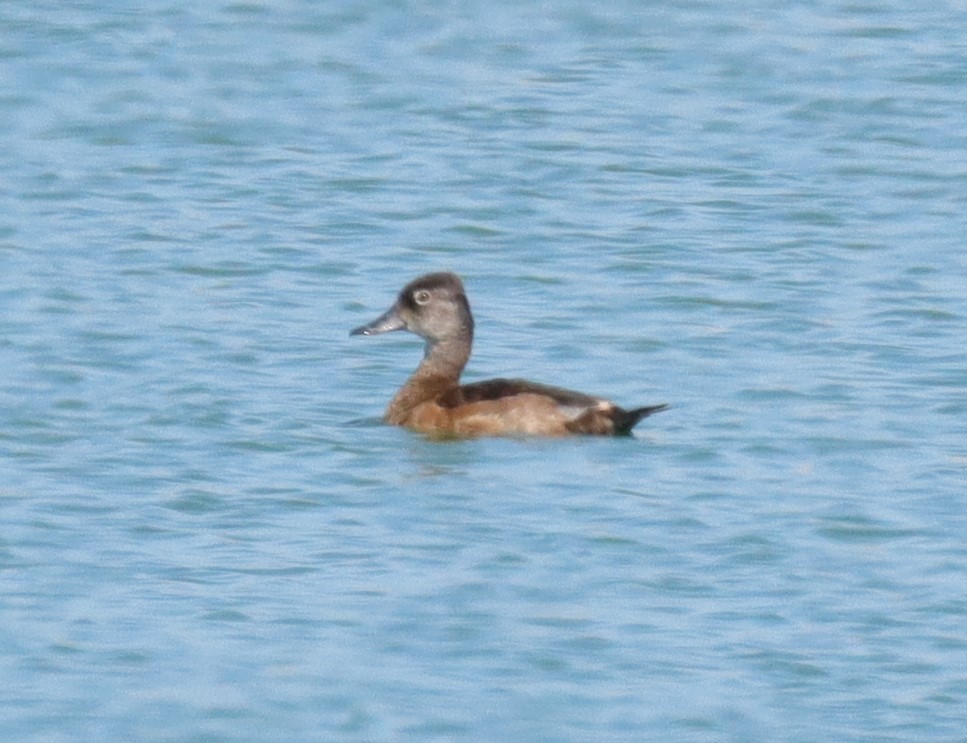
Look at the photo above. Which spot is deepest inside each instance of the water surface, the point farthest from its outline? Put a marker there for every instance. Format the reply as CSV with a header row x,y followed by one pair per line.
x,y
755,214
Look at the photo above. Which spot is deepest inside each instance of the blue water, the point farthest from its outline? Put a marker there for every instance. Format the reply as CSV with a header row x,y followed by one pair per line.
x,y
754,212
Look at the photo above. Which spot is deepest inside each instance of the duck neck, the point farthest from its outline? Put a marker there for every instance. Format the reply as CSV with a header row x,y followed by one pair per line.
x,y
440,369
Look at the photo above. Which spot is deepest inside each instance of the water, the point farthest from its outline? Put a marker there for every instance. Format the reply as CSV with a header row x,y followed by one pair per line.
x,y
754,213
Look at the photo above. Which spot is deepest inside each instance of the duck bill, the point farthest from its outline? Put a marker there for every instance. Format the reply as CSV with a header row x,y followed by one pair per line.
x,y
385,323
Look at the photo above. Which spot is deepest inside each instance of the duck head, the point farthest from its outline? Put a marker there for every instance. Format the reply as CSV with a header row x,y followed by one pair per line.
x,y
433,306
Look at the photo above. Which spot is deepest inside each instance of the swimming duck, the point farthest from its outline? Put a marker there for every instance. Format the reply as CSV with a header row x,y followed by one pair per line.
x,y
433,401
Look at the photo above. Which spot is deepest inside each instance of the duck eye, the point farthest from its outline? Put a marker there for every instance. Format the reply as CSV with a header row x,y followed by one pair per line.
x,y
422,296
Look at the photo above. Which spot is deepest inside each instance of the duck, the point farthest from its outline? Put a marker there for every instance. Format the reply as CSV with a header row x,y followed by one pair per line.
x,y
433,402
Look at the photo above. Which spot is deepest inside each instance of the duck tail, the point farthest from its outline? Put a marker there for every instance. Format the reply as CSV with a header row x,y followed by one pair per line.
x,y
625,420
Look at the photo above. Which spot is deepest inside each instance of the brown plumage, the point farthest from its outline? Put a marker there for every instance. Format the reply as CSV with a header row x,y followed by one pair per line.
x,y
433,401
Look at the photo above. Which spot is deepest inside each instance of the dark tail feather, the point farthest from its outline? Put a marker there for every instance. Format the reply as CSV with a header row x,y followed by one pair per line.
x,y
625,420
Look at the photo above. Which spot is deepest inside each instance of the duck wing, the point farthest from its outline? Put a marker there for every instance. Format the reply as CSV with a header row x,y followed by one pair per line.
x,y
498,389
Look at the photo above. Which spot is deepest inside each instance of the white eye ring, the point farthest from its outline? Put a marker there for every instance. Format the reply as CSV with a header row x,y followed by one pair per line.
x,y
421,297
